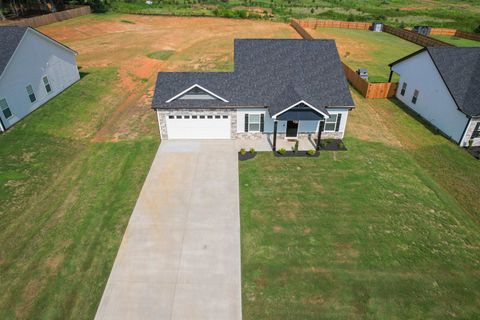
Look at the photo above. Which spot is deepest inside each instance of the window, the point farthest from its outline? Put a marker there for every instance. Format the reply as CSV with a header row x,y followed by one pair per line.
x,y
225,117
217,117
331,123
171,117
186,117
194,117
209,117
415,96
31,94
179,117
404,88
202,117
475,133
254,122
5,108
47,85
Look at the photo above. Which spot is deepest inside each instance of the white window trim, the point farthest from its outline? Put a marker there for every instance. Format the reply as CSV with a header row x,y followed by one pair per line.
x,y
8,106
45,86
326,116
259,122
325,123
196,86
28,95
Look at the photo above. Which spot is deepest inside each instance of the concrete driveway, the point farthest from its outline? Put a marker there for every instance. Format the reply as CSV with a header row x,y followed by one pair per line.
x,y
180,255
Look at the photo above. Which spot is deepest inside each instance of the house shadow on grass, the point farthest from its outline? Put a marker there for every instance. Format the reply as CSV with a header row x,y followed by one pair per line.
x,y
430,127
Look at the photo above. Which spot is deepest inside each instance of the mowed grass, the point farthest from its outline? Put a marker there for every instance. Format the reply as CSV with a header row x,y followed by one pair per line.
x,y
66,202
378,232
367,49
457,41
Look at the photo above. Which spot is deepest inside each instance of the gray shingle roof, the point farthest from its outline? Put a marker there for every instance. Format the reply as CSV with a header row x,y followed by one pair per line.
x,y
460,70
10,37
268,72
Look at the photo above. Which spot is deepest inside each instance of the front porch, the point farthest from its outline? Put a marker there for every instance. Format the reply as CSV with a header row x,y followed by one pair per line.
x,y
266,143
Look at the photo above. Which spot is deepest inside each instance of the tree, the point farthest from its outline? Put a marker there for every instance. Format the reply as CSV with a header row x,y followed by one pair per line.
x,y
477,29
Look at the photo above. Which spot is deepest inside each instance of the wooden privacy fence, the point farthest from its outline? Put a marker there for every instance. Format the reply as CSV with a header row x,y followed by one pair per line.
x,y
312,24
455,32
415,37
368,90
50,18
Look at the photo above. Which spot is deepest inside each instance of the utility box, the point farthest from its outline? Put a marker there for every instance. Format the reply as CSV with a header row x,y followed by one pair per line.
x,y
363,73
424,30
377,27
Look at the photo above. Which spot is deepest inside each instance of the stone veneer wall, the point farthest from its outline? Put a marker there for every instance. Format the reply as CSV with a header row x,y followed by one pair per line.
x,y
468,134
162,117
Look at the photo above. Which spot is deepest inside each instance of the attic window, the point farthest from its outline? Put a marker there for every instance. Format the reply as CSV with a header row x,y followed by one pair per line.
x,y
415,96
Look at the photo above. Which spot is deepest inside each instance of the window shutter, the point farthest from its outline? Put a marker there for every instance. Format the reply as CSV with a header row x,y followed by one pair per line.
x,y
246,122
339,119
262,122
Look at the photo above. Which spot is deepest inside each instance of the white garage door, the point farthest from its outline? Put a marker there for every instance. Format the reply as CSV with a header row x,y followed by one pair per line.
x,y
198,127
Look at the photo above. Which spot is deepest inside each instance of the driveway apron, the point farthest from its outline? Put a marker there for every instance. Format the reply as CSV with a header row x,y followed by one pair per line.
x,y
180,255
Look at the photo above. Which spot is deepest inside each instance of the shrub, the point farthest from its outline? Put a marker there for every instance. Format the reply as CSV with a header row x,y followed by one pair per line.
x,y
243,151
295,148
252,150
99,6
341,145
311,152
282,151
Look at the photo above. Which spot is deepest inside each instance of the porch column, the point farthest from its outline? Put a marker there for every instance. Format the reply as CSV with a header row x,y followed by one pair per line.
x,y
390,77
275,135
321,125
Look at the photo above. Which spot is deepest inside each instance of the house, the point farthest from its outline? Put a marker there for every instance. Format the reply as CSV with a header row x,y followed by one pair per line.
x,y
442,85
284,88
33,69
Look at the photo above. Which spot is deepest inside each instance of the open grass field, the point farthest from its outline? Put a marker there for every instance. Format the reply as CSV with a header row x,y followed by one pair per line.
x,y
70,173
459,42
458,14
386,230
367,49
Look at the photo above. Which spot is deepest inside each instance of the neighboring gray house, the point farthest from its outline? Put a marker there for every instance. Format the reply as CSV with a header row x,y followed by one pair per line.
x,y
33,69
285,88
442,85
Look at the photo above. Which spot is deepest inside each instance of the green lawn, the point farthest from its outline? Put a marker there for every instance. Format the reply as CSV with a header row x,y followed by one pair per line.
x,y
377,232
459,42
367,49
65,202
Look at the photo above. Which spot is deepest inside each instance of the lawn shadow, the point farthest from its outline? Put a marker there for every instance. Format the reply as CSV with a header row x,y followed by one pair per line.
x,y
416,116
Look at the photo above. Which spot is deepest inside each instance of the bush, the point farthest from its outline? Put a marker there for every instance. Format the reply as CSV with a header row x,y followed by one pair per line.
x,y
99,6
282,151
311,152
477,29
295,148
252,150
243,151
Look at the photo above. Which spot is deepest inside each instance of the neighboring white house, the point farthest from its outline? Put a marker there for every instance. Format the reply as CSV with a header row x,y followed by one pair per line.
x,y
286,88
33,69
442,85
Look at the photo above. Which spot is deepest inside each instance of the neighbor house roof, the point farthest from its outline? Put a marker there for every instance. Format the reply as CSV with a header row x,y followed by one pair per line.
x,y
460,71
10,37
275,73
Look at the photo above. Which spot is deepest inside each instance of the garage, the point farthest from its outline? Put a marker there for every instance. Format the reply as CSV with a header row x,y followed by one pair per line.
x,y
198,126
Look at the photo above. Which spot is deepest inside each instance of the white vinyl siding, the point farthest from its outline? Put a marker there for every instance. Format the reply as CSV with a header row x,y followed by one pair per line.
x,y
434,102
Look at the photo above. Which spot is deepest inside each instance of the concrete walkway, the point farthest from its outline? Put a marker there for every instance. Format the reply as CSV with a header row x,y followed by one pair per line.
x,y
180,255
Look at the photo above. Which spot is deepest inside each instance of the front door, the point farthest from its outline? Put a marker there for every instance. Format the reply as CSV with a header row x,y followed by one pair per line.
x,y
292,129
